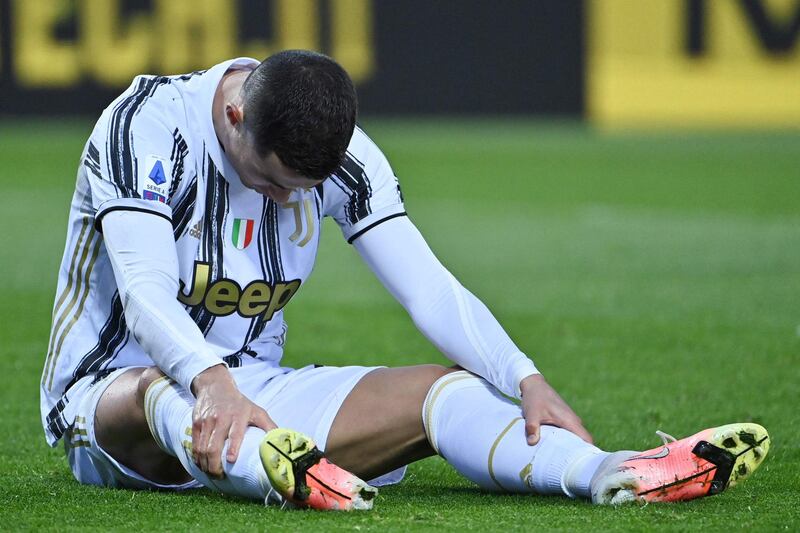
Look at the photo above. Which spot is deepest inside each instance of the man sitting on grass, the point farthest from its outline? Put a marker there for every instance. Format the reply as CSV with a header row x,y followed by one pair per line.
x,y
212,187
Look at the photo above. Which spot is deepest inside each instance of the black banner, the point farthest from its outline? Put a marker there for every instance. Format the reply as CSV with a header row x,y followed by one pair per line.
x,y
407,57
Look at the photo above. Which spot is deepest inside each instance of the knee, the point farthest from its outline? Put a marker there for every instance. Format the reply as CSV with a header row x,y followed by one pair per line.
x,y
146,378
427,375
439,371
447,380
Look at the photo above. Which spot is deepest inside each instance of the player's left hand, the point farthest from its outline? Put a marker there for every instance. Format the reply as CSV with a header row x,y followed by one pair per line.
x,y
541,404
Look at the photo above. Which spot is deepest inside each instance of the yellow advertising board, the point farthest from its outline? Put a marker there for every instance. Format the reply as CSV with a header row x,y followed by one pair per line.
x,y
174,36
708,63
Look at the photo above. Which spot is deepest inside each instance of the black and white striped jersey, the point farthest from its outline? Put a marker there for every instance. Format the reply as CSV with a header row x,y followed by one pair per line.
x,y
241,255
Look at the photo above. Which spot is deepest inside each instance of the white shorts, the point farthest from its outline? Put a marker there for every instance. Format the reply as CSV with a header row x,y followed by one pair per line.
x,y
305,399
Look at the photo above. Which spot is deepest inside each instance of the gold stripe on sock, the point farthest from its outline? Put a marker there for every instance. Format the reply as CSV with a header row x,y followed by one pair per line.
x,y
150,406
494,449
452,378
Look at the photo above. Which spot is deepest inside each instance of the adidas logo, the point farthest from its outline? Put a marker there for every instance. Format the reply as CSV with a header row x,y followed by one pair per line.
x,y
197,230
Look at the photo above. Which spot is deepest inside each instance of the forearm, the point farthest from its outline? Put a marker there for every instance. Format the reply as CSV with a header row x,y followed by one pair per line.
x,y
451,317
145,268
464,329
167,334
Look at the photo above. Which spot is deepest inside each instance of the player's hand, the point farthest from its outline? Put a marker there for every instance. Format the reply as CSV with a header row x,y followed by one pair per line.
x,y
221,413
541,404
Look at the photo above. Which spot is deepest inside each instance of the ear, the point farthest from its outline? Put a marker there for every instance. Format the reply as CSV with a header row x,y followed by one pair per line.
x,y
234,113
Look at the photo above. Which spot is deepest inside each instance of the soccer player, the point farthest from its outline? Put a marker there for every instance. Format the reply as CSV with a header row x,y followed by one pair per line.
x,y
196,218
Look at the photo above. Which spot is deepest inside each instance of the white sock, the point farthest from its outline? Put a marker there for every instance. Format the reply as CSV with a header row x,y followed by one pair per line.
x,y
168,409
482,434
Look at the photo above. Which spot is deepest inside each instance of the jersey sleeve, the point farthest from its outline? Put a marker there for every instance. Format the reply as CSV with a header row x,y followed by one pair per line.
x,y
145,262
363,192
450,316
130,157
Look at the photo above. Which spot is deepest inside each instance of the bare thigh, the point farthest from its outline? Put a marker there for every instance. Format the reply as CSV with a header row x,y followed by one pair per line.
x,y
121,429
379,426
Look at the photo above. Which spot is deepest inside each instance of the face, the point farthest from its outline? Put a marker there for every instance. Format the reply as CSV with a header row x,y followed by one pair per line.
x,y
268,175
265,175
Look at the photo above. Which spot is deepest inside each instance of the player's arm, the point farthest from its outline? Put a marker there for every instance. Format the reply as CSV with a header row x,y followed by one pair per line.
x,y
143,255
128,164
459,324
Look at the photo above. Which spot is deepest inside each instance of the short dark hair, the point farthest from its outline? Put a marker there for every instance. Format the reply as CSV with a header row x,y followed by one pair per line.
x,y
302,106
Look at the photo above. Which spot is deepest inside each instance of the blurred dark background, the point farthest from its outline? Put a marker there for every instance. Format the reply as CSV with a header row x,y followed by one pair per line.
x,y
414,56
617,62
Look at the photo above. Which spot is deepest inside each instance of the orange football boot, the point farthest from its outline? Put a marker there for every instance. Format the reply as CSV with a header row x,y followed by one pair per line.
x,y
302,477
701,465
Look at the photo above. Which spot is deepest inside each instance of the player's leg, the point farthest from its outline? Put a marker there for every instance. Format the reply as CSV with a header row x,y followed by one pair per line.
x,y
128,434
383,422
379,425
144,423
121,429
481,433
155,444
114,450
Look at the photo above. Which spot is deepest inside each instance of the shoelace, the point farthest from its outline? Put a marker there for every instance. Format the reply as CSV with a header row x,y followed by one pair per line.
x,y
665,437
275,498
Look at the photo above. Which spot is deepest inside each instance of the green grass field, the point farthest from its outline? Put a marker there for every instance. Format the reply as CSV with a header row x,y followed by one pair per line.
x,y
655,279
